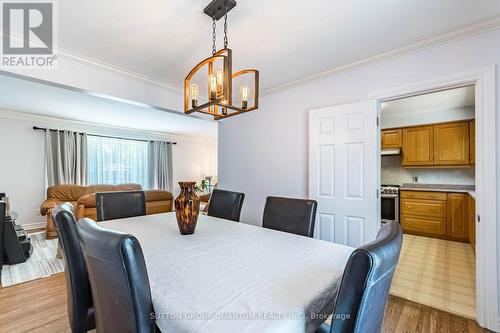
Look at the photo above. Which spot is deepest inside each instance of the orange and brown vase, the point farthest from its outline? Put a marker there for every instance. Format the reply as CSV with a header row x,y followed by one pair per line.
x,y
187,208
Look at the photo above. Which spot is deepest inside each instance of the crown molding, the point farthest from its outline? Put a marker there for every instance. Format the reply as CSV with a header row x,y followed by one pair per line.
x,y
101,129
99,65
87,61
474,29
471,30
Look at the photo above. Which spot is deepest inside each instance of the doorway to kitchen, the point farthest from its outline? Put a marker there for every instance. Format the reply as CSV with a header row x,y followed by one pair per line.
x,y
428,186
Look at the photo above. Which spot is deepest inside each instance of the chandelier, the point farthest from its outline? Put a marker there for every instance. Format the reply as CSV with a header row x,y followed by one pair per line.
x,y
215,75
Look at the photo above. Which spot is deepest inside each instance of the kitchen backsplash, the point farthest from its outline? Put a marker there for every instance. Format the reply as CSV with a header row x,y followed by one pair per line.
x,y
394,174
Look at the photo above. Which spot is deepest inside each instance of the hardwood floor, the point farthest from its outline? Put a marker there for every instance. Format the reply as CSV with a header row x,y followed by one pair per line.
x,y
40,306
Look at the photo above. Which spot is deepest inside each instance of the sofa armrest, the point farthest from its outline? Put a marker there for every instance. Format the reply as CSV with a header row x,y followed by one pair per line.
x,y
47,205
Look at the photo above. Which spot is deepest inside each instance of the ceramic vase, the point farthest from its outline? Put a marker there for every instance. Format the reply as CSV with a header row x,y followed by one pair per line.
x,y
187,208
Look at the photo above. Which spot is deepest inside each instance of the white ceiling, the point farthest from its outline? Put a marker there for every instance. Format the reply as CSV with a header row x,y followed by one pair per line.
x,y
437,101
45,100
286,40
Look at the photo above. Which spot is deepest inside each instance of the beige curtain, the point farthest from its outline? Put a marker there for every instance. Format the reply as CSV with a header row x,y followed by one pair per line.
x,y
66,157
160,167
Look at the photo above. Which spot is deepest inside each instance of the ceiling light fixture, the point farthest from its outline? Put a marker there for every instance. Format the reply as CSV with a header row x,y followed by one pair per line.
x,y
217,77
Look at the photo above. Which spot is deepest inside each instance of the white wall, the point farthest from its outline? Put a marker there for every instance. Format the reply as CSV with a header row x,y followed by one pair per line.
x,y
265,152
22,174
429,117
194,160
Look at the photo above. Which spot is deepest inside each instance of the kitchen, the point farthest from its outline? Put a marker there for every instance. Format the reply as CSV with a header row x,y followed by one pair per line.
x,y
428,183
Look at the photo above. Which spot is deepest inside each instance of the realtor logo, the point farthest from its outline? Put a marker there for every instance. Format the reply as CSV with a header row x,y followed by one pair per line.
x,y
28,34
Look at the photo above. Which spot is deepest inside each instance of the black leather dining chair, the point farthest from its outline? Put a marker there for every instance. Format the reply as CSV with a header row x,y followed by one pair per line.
x,y
296,216
118,205
118,279
226,204
364,288
79,298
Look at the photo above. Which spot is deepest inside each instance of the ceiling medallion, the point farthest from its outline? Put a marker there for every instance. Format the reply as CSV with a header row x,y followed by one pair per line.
x,y
215,76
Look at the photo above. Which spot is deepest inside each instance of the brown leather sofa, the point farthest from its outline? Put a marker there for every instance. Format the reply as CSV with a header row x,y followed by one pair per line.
x,y
159,201
156,202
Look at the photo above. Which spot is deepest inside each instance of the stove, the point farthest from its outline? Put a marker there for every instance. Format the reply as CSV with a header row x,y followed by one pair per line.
x,y
389,189
390,203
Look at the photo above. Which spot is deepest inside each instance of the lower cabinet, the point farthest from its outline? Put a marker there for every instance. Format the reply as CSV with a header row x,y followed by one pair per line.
x,y
435,214
457,226
424,226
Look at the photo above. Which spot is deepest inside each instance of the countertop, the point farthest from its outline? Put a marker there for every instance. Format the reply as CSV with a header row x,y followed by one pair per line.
x,y
439,188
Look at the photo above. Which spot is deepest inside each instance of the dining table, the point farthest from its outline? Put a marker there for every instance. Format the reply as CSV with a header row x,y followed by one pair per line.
x,y
235,277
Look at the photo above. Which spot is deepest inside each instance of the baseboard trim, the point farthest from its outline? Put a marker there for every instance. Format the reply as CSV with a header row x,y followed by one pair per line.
x,y
31,226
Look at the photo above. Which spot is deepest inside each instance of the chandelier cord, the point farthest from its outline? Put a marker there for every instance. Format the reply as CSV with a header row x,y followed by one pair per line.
x,y
225,25
214,35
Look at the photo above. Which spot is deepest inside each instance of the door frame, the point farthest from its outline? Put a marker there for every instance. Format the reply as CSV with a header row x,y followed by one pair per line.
x,y
484,79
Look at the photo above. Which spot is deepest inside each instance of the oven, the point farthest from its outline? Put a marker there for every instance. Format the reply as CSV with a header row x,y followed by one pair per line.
x,y
389,203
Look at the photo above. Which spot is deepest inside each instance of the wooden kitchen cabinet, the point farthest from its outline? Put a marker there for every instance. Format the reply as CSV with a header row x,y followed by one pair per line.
x,y
472,142
472,222
418,225
457,226
451,143
423,213
392,138
418,146
436,214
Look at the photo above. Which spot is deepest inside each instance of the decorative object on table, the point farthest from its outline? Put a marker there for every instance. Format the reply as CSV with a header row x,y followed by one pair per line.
x,y
187,208
220,81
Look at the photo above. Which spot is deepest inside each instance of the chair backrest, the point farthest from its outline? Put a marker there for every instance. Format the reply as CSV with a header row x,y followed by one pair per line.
x,y
365,284
118,279
79,299
3,208
226,204
118,205
295,216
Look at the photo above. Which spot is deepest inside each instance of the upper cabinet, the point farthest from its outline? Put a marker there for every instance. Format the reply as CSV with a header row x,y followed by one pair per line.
x,y
392,138
472,142
440,145
451,144
418,146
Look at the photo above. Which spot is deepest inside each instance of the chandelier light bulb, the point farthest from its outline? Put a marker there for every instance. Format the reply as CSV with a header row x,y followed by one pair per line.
x,y
244,93
220,80
212,86
194,91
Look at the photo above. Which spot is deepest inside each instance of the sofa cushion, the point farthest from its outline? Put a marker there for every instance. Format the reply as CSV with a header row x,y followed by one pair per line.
x,y
74,192
157,195
88,201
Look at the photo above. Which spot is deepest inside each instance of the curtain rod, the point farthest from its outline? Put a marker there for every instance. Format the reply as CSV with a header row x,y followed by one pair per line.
x,y
36,128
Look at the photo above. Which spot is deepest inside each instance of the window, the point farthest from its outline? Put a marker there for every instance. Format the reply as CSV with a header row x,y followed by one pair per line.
x,y
117,161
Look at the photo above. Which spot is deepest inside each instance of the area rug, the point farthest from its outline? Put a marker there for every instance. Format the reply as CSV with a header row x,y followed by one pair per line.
x,y
42,263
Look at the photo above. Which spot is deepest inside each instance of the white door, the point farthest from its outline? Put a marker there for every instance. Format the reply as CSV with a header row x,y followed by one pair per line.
x,y
343,172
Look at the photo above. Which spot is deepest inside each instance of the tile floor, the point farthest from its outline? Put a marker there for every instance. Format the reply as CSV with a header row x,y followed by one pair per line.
x,y
437,273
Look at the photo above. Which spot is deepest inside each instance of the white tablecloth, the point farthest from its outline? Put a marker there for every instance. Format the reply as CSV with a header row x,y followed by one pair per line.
x,y
235,277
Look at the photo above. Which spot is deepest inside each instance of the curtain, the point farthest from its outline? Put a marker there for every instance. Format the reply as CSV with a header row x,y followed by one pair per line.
x,y
65,157
117,161
160,166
